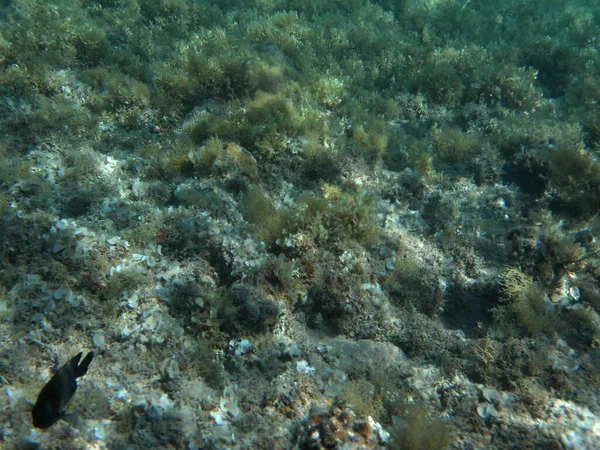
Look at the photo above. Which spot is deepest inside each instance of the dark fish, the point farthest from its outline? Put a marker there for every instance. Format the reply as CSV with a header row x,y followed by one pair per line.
x,y
50,404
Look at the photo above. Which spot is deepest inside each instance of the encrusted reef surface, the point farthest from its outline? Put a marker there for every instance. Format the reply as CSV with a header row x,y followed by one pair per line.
x,y
302,224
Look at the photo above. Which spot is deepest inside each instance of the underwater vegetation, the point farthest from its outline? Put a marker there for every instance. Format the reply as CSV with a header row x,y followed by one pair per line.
x,y
316,218
218,196
418,431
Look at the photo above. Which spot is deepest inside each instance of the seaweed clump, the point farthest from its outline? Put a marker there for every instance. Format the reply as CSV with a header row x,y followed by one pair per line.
x,y
415,430
335,215
526,301
247,311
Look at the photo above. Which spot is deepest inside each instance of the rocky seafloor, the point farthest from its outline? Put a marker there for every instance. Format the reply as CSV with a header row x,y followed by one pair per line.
x,y
310,225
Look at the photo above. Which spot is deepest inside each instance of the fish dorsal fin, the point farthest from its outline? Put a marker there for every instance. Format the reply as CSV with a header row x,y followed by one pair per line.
x,y
82,367
73,362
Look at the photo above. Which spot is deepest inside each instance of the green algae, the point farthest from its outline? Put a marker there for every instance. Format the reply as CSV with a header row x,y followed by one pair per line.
x,y
437,93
